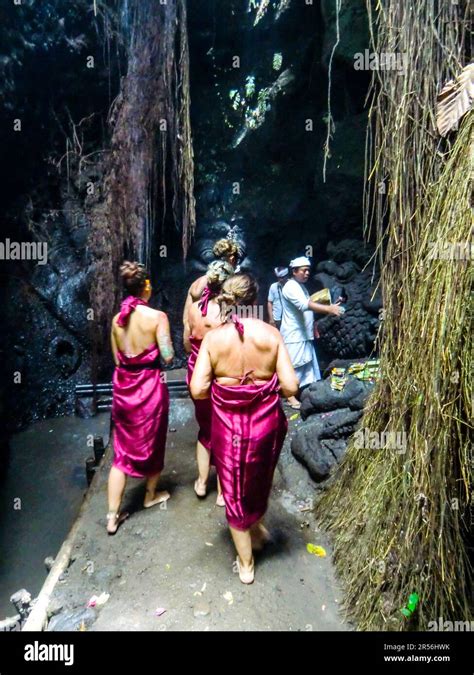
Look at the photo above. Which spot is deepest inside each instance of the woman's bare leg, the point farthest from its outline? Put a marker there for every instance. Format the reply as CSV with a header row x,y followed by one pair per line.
x,y
220,499
203,462
259,535
293,402
243,544
153,497
116,488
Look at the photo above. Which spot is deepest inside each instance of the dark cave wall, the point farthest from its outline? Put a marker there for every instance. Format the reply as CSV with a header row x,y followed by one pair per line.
x,y
48,169
278,167
283,205
268,188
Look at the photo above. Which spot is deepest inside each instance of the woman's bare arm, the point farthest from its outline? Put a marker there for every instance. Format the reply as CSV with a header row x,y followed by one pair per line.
x,y
186,334
285,371
113,342
187,305
201,380
189,327
194,293
163,338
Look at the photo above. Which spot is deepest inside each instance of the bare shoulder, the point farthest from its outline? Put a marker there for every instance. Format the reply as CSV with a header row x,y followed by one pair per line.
x,y
197,287
213,313
194,309
114,321
264,330
149,312
219,334
193,314
161,316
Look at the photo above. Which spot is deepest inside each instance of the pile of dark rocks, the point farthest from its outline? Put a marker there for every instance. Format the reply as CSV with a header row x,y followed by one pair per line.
x,y
330,418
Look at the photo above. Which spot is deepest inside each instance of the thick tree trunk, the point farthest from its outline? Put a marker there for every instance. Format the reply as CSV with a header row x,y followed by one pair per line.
x,y
150,157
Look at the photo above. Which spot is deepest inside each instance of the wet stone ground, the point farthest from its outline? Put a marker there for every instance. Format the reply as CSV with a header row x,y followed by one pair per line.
x,y
40,497
179,558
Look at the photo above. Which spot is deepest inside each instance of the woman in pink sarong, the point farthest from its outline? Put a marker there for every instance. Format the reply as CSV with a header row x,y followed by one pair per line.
x,y
140,397
201,317
243,365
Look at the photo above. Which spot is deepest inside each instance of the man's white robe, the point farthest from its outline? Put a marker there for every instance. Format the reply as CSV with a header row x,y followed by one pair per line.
x,y
297,330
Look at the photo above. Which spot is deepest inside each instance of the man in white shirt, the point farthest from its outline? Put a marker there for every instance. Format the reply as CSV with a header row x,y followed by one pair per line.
x,y
274,304
297,325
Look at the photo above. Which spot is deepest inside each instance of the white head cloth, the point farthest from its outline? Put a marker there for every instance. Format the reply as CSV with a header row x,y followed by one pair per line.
x,y
302,261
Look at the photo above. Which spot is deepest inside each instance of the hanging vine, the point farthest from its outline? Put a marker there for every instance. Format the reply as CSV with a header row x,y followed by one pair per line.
x,y
402,521
329,117
151,155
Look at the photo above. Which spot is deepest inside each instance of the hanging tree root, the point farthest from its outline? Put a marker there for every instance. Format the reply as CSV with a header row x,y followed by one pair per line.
x,y
150,162
401,519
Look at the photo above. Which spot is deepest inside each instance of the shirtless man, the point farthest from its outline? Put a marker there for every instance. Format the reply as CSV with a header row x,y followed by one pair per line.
x,y
241,365
224,249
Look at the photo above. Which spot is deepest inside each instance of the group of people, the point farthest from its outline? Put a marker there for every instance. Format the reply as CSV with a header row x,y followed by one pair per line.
x,y
238,368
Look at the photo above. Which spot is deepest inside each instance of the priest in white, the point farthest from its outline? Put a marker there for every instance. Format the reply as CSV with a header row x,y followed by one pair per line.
x,y
297,324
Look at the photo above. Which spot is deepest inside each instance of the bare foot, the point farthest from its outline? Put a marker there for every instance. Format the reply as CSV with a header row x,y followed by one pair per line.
x,y
157,498
220,500
114,520
200,488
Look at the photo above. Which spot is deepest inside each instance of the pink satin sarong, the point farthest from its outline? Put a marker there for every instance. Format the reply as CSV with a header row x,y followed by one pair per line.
x,y
140,407
248,430
202,408
140,410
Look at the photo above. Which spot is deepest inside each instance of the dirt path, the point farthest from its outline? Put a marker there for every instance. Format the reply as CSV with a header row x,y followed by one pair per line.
x,y
179,558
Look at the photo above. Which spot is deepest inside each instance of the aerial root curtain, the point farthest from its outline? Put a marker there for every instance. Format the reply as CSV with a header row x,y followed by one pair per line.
x,y
401,519
150,162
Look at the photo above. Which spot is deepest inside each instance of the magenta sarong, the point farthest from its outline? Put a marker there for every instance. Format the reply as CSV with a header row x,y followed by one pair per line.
x,y
248,430
140,414
140,407
202,408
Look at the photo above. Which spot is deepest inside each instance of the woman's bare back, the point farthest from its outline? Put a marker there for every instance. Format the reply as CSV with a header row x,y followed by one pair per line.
x,y
233,357
140,332
199,325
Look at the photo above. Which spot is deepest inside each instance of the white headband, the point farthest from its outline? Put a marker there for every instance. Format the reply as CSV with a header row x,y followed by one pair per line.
x,y
302,261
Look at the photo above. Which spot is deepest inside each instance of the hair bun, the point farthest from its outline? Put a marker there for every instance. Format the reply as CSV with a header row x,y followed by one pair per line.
x,y
217,272
129,270
134,275
227,298
238,289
